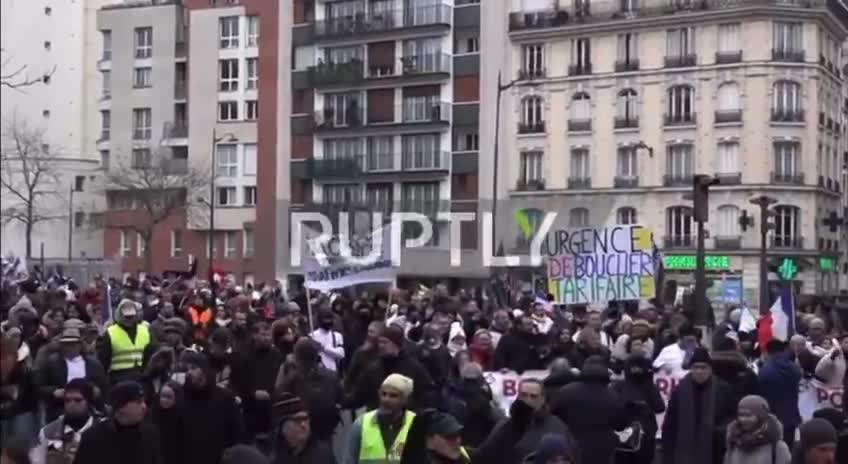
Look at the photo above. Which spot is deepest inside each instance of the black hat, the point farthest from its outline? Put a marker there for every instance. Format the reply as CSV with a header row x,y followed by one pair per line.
x,y
394,334
815,433
444,424
125,392
287,406
836,418
701,355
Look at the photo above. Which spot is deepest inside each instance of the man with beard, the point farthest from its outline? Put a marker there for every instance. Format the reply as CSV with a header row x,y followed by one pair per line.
x,y
58,441
393,360
253,379
120,350
240,331
211,416
520,349
380,435
125,438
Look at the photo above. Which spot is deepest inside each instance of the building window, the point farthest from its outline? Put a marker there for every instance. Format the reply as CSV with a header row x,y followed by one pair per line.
x,y
728,97
581,112
788,38
532,115
465,141
728,221
105,124
379,197
252,65
787,225
229,244
249,240
79,219
107,44
176,243
140,247
420,197
343,109
679,226
229,31
628,51
105,159
627,105
143,42
250,196
787,159
106,80
680,163
228,111
253,31
628,163
417,152
680,43
228,73
342,194
626,216
786,100
142,123
226,196
124,245
141,158
580,168
581,56
533,61
728,158
472,45
251,110
729,38
578,217
531,166
141,77
681,105
227,162
249,159
342,148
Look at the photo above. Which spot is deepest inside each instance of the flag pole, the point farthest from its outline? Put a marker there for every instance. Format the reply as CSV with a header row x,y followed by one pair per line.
x,y
309,310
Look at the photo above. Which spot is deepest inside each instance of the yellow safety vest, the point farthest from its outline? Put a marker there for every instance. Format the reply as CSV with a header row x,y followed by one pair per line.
x,y
125,354
372,450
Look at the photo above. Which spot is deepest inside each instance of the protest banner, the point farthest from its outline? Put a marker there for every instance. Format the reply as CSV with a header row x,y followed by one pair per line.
x,y
338,271
666,383
504,385
814,395
599,265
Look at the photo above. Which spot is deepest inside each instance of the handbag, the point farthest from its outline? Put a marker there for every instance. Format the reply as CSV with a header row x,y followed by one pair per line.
x,y
630,438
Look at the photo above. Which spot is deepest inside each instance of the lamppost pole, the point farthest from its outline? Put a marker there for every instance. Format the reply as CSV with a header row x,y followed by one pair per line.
x,y
71,223
763,202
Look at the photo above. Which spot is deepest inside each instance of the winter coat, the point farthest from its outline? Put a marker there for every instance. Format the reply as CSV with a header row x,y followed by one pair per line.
x,y
437,361
642,401
554,382
212,423
732,368
778,384
542,423
320,389
470,402
315,452
254,371
767,449
592,412
110,443
831,369
54,376
518,351
367,389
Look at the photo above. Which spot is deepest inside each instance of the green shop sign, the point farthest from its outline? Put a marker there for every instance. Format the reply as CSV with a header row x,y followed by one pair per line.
x,y
688,263
827,264
788,269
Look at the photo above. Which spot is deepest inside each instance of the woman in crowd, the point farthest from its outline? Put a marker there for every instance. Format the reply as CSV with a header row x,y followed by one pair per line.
x,y
166,416
755,436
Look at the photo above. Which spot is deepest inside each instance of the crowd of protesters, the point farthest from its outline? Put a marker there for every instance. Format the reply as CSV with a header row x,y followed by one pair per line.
x,y
154,371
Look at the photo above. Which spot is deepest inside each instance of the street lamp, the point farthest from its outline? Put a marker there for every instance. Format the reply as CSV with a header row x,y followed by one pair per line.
x,y
764,202
227,137
501,89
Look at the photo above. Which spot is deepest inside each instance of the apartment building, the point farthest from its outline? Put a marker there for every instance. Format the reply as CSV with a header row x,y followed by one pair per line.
x,y
385,115
609,109
56,65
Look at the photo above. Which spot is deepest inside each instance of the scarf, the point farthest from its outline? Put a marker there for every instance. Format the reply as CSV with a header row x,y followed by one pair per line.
x,y
695,440
747,439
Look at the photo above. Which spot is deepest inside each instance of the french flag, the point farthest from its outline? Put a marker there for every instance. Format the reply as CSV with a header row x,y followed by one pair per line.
x,y
779,323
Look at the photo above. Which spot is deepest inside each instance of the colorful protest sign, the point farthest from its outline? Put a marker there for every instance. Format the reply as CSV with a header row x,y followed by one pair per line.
x,y
814,395
600,265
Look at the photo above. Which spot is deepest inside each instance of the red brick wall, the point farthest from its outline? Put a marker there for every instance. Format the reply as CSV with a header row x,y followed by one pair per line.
x,y
466,88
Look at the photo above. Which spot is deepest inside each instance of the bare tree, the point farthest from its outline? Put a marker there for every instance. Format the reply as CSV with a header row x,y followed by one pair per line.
x,y
156,186
16,77
27,178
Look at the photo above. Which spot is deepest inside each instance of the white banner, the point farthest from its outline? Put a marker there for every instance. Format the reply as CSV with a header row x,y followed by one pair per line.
x,y
504,385
666,383
325,269
813,395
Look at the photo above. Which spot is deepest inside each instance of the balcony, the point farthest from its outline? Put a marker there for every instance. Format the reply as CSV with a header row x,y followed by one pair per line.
x,y
626,122
685,119
628,65
426,160
361,24
334,168
787,178
787,242
788,56
428,63
785,115
431,112
677,180
728,242
570,15
728,116
531,127
579,183
527,74
178,130
729,178
579,125
530,185
180,90
355,117
352,116
323,74
626,181
175,166
682,61
679,241
580,69
728,57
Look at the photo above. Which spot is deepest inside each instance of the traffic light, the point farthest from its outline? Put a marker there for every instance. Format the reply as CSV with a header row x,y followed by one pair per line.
x,y
701,196
766,214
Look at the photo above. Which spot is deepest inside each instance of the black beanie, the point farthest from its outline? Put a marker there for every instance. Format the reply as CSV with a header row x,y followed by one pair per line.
x,y
816,432
125,392
701,355
85,389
